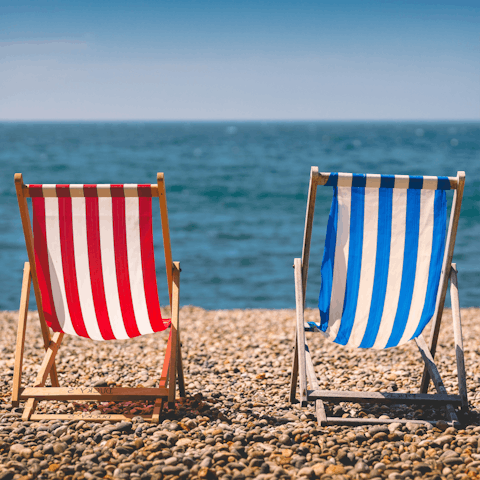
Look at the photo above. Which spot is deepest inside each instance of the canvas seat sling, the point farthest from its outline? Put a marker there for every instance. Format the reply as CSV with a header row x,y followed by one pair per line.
x,y
384,273
92,262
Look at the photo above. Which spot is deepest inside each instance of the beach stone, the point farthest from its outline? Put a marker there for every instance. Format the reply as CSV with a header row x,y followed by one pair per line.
x,y
306,472
395,476
378,429
361,467
319,469
442,425
412,427
452,460
7,474
207,473
448,453
172,470
380,467
17,448
335,469
392,427
443,440
58,432
59,447
184,442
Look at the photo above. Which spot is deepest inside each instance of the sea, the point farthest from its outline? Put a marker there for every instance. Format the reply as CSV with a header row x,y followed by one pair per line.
x,y
236,193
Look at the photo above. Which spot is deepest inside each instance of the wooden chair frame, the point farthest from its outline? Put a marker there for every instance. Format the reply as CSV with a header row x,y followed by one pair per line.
x,y
172,370
303,368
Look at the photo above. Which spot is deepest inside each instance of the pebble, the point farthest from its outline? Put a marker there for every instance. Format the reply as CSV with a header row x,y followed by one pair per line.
x,y
237,422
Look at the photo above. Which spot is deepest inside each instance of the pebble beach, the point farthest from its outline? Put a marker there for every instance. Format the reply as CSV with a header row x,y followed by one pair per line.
x,y
236,421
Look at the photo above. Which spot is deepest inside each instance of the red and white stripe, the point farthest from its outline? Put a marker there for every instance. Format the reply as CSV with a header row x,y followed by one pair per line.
x,y
95,259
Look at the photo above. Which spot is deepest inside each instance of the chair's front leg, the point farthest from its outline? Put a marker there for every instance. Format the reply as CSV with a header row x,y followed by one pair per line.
x,y
22,327
302,365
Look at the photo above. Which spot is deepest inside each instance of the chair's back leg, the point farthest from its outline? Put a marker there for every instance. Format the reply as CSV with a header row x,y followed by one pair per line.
x,y
457,333
22,327
172,370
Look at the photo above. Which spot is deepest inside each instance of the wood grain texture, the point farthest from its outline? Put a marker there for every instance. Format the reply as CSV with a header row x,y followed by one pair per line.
x,y
100,394
167,248
383,397
307,234
379,421
300,332
22,328
89,417
294,375
312,380
172,372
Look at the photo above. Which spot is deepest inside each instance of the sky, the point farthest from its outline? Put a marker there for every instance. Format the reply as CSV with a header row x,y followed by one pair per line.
x,y
239,60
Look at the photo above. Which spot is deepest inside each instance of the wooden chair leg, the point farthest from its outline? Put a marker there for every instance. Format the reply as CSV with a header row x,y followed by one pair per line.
x,y
434,374
157,410
172,373
294,377
300,332
30,406
44,372
320,413
181,379
312,379
457,333
22,327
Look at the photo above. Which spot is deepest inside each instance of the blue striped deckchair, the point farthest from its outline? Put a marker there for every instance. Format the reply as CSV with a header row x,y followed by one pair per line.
x,y
385,270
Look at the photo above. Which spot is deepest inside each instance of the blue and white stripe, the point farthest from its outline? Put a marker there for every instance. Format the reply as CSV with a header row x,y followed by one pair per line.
x,y
382,259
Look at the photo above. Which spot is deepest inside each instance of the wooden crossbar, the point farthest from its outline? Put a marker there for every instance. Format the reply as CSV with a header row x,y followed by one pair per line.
x,y
352,421
100,394
384,397
90,417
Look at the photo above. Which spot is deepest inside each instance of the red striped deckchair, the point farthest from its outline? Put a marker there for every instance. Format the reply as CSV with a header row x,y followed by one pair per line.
x,y
386,265
91,261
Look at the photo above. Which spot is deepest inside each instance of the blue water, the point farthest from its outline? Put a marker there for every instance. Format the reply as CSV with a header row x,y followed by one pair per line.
x,y
236,193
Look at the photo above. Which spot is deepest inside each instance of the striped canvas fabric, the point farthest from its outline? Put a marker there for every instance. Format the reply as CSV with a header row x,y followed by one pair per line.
x,y
95,260
383,257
